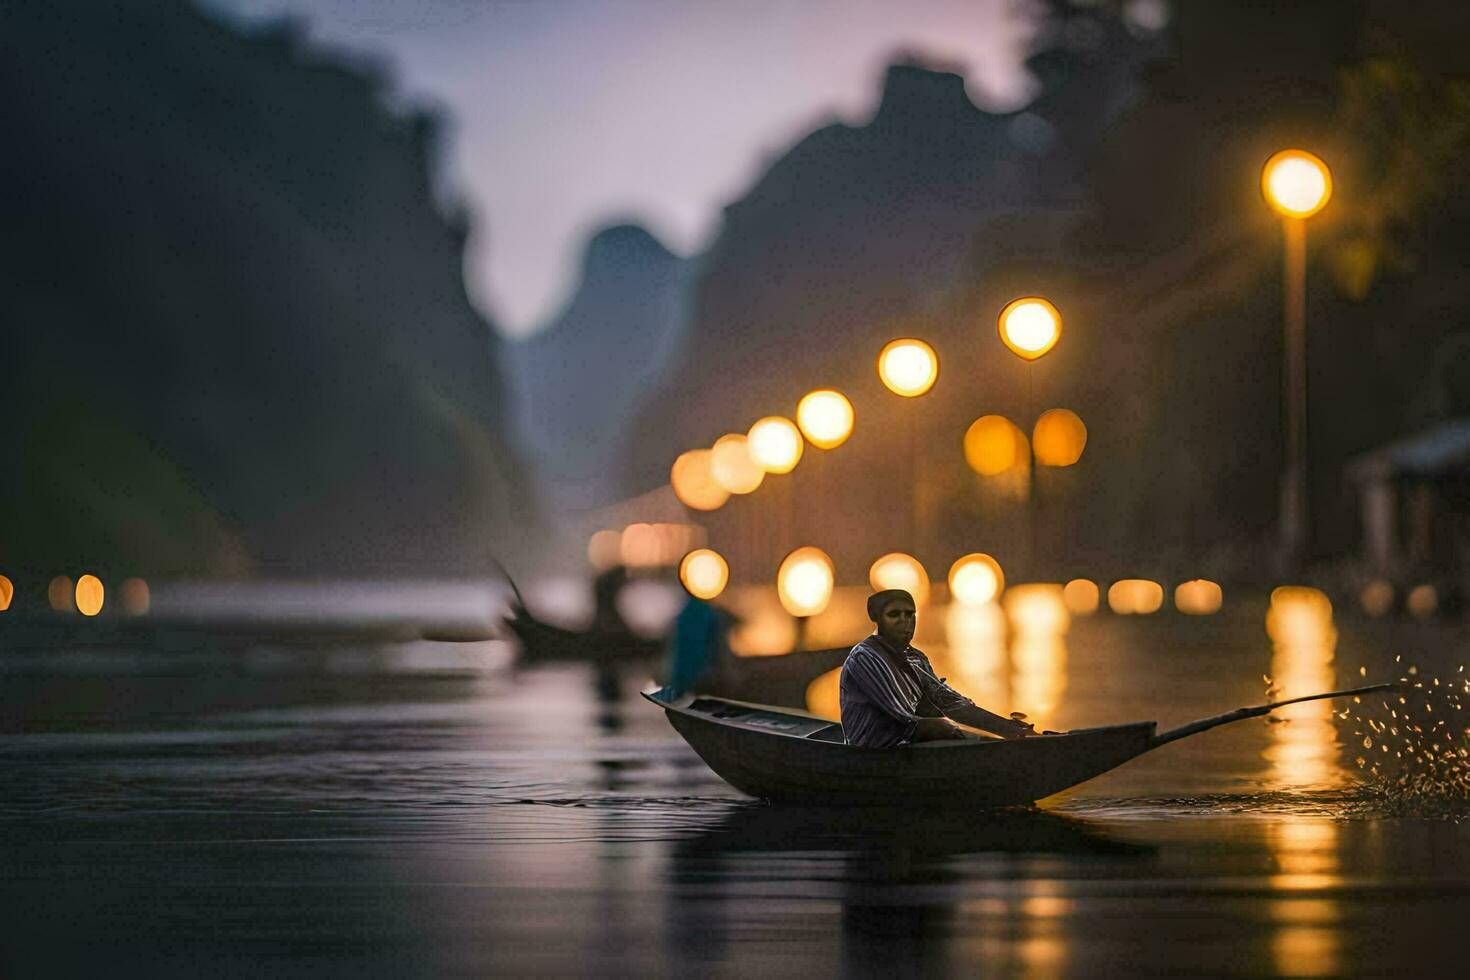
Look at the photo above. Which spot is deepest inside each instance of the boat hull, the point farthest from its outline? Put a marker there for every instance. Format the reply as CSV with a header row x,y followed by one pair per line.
x,y
790,767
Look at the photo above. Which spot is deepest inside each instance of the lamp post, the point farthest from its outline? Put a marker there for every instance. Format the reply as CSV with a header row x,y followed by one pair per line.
x,y
908,367
1297,184
1030,326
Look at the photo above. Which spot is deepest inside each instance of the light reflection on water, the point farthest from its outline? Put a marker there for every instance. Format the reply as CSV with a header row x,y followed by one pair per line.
x,y
439,822
1305,942
1304,749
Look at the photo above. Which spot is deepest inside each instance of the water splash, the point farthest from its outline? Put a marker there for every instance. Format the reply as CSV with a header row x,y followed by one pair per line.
x,y
1416,747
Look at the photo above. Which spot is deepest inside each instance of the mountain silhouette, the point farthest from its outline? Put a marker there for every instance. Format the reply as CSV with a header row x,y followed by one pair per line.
x,y
236,338
580,380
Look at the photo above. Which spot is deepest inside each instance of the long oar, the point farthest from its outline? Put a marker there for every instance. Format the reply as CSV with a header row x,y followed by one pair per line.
x,y
1256,711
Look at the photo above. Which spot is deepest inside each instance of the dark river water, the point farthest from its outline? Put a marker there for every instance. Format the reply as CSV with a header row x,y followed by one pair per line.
x,y
420,811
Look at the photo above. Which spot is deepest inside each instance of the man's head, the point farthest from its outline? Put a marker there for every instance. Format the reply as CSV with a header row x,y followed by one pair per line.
x,y
893,611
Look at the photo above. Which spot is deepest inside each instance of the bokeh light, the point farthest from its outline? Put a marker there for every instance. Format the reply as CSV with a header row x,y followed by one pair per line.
x,y
1058,438
604,549
1199,597
775,444
732,466
994,445
89,595
908,367
1135,596
7,592
897,570
60,594
694,484
1082,596
824,695
136,599
1296,183
1299,615
825,417
975,580
704,573
638,546
1030,326
761,625
1422,601
804,581
1377,598
1037,608
1304,750
644,546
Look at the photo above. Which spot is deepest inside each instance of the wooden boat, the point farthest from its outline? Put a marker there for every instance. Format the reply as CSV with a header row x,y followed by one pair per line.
x,y
542,641
790,756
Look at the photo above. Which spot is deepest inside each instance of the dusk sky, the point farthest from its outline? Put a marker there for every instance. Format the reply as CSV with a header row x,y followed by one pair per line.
x,y
570,115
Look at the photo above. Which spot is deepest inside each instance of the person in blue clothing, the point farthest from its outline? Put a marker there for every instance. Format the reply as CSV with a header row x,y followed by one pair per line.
x,y
890,694
697,646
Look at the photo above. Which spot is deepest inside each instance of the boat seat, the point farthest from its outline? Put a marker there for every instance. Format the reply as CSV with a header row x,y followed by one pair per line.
x,y
832,733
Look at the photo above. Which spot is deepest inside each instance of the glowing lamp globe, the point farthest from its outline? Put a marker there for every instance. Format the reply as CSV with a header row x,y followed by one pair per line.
x,y
1299,615
1198,597
993,445
732,466
1081,596
1037,609
1030,326
704,573
7,591
89,595
897,570
976,580
1059,438
804,581
775,444
825,417
1135,597
908,367
1296,183
694,484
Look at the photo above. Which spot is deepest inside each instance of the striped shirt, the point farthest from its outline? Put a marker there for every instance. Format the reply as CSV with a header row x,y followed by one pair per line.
x,y
880,705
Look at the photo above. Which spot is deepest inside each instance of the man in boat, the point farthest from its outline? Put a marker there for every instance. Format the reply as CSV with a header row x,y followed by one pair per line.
x,y
890,694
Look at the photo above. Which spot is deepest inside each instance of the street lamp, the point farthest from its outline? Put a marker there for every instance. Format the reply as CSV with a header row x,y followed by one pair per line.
x,y
908,367
704,573
1058,437
825,417
897,570
731,465
975,580
775,444
804,584
1030,326
1297,184
693,482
